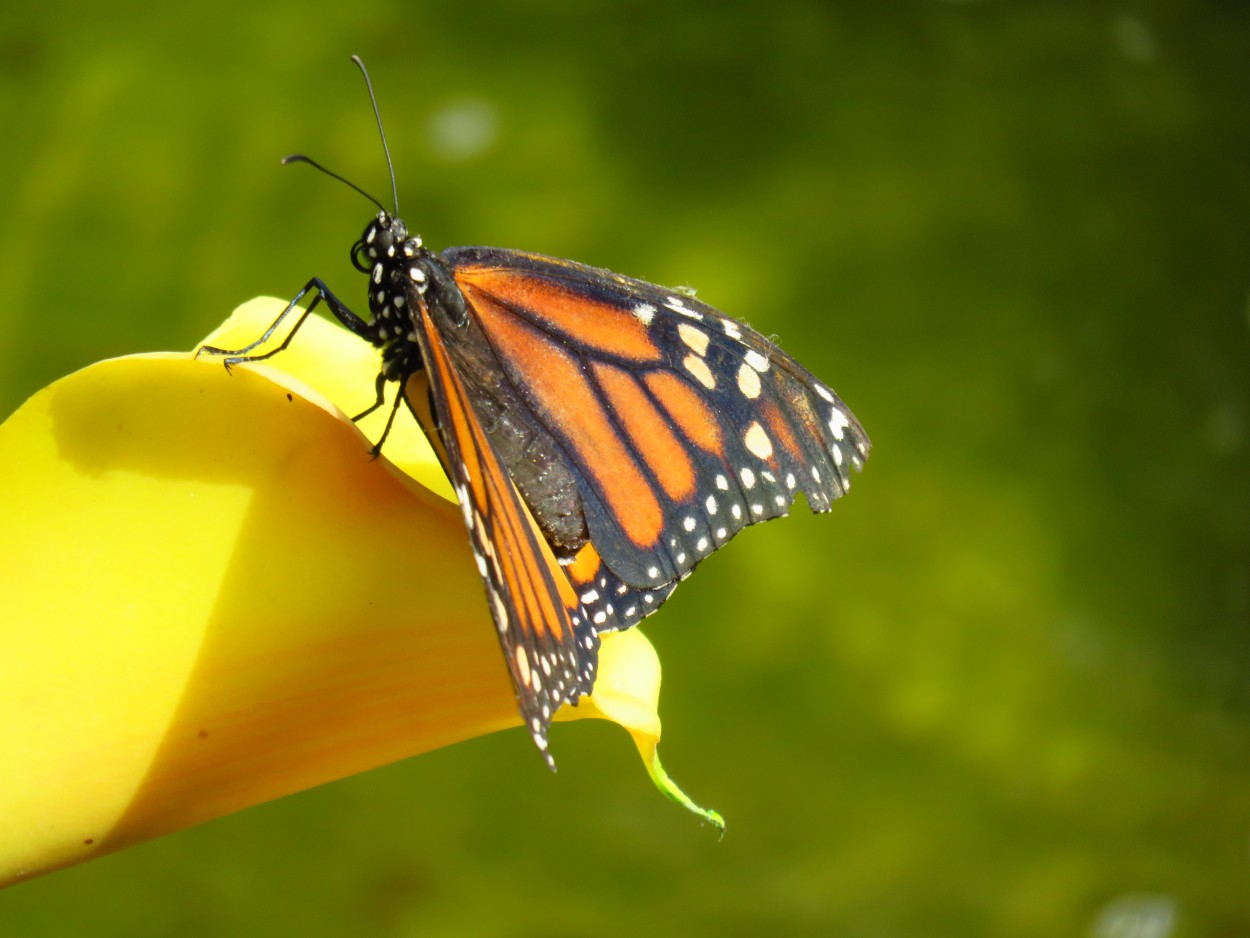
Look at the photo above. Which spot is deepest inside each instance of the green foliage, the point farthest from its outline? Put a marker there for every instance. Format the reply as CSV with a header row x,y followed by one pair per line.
x,y
1000,690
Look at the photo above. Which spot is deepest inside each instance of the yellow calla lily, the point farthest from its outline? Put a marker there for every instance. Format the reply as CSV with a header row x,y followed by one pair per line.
x,y
214,597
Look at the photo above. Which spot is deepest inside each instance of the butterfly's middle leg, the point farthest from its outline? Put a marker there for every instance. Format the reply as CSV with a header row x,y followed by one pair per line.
x,y
379,386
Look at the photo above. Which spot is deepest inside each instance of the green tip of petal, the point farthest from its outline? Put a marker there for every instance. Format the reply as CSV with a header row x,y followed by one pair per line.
x,y
671,791
627,692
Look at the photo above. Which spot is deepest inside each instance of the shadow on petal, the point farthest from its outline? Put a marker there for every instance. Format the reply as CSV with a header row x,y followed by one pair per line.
x,y
248,605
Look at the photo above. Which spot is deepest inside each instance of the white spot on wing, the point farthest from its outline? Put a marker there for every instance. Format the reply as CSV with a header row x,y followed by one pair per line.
x,y
694,338
757,441
645,312
675,304
748,381
501,611
698,367
756,360
837,422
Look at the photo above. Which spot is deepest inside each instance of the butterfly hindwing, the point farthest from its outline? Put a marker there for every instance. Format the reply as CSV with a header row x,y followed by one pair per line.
x,y
611,603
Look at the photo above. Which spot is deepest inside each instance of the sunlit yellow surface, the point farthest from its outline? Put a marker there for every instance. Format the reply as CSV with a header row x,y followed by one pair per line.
x,y
213,596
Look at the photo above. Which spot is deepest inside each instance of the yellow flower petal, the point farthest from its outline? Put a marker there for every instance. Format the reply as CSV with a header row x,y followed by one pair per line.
x,y
341,368
215,597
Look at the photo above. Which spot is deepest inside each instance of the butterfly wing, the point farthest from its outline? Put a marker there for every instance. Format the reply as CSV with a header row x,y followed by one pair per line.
x,y
610,603
677,425
550,646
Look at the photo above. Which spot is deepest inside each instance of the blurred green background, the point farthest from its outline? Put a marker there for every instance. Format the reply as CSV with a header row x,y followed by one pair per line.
x,y
1003,689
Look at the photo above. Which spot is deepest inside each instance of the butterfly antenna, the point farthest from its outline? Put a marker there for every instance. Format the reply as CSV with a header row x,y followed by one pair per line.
x,y
301,158
382,133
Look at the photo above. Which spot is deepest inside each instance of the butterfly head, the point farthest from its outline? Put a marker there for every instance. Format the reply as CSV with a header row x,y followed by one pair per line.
x,y
385,241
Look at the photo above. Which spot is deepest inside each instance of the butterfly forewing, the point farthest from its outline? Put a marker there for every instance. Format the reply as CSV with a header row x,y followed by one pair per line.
x,y
550,647
679,425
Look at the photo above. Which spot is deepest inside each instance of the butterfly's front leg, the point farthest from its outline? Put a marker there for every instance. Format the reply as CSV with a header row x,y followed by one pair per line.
x,y
344,315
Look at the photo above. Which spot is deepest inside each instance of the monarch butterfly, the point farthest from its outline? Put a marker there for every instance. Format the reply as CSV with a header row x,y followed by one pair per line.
x,y
603,435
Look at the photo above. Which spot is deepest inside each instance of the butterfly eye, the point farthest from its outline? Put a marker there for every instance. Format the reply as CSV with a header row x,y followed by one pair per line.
x,y
359,260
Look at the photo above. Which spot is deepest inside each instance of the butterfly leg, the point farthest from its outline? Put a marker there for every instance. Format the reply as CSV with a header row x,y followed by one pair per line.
x,y
380,389
377,447
344,315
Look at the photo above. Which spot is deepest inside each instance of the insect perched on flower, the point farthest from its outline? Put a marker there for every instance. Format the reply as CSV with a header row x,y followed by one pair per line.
x,y
603,435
